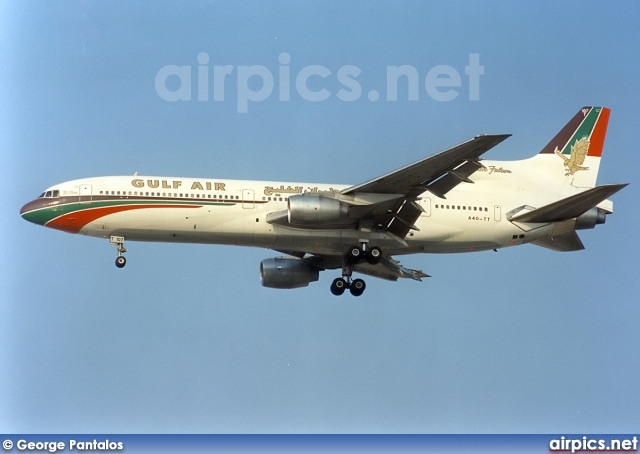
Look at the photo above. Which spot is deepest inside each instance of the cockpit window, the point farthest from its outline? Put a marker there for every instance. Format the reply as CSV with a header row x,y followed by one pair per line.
x,y
50,194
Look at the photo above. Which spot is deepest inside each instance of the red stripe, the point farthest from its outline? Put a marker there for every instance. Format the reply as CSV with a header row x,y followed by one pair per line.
x,y
73,222
596,143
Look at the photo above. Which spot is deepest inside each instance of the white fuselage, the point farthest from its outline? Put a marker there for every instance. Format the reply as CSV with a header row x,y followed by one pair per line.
x,y
473,217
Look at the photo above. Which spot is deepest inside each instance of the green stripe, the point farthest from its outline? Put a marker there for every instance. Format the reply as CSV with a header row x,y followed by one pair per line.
x,y
584,130
44,215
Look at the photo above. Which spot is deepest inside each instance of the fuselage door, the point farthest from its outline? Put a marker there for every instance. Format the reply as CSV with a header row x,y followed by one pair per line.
x,y
85,193
248,199
497,212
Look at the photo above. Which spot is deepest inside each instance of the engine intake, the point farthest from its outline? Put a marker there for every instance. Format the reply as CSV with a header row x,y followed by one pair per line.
x,y
287,272
314,210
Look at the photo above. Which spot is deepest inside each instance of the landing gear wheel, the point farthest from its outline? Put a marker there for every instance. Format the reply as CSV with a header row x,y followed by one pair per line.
x,y
354,254
118,242
374,255
338,286
357,287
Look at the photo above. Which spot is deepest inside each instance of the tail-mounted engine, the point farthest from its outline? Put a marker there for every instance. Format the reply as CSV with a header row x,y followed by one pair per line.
x,y
591,218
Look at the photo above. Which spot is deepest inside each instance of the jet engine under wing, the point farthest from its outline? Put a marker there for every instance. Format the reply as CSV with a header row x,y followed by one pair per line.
x,y
453,165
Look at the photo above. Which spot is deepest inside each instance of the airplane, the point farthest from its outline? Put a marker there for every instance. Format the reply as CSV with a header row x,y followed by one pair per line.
x,y
449,202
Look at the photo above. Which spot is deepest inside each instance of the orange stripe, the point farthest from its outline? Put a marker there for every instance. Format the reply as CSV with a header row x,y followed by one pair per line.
x,y
73,222
599,132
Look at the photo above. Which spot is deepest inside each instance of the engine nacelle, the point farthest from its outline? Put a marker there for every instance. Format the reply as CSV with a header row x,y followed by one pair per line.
x,y
287,272
315,210
590,219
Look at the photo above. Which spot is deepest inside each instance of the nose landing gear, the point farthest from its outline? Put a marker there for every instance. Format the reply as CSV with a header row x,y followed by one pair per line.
x,y
118,241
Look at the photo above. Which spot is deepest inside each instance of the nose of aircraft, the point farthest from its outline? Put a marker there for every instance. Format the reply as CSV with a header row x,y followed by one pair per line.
x,y
32,212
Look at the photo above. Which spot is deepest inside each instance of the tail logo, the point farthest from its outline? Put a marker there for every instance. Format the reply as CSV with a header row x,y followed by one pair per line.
x,y
579,152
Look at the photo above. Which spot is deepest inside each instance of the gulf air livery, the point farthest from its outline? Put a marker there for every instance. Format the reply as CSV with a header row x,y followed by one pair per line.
x,y
449,202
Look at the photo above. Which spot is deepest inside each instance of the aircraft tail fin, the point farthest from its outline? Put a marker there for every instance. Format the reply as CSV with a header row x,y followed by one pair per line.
x,y
577,148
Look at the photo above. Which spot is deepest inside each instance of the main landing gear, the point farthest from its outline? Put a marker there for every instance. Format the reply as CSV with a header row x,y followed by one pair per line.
x,y
118,241
351,258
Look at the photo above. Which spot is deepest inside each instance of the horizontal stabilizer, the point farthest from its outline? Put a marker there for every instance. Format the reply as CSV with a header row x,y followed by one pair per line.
x,y
566,242
570,207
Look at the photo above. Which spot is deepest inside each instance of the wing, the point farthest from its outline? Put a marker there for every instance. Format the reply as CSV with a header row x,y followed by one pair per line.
x,y
454,165
388,268
437,174
389,202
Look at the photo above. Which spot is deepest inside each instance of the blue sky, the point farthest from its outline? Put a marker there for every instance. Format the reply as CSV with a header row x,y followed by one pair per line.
x,y
185,339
